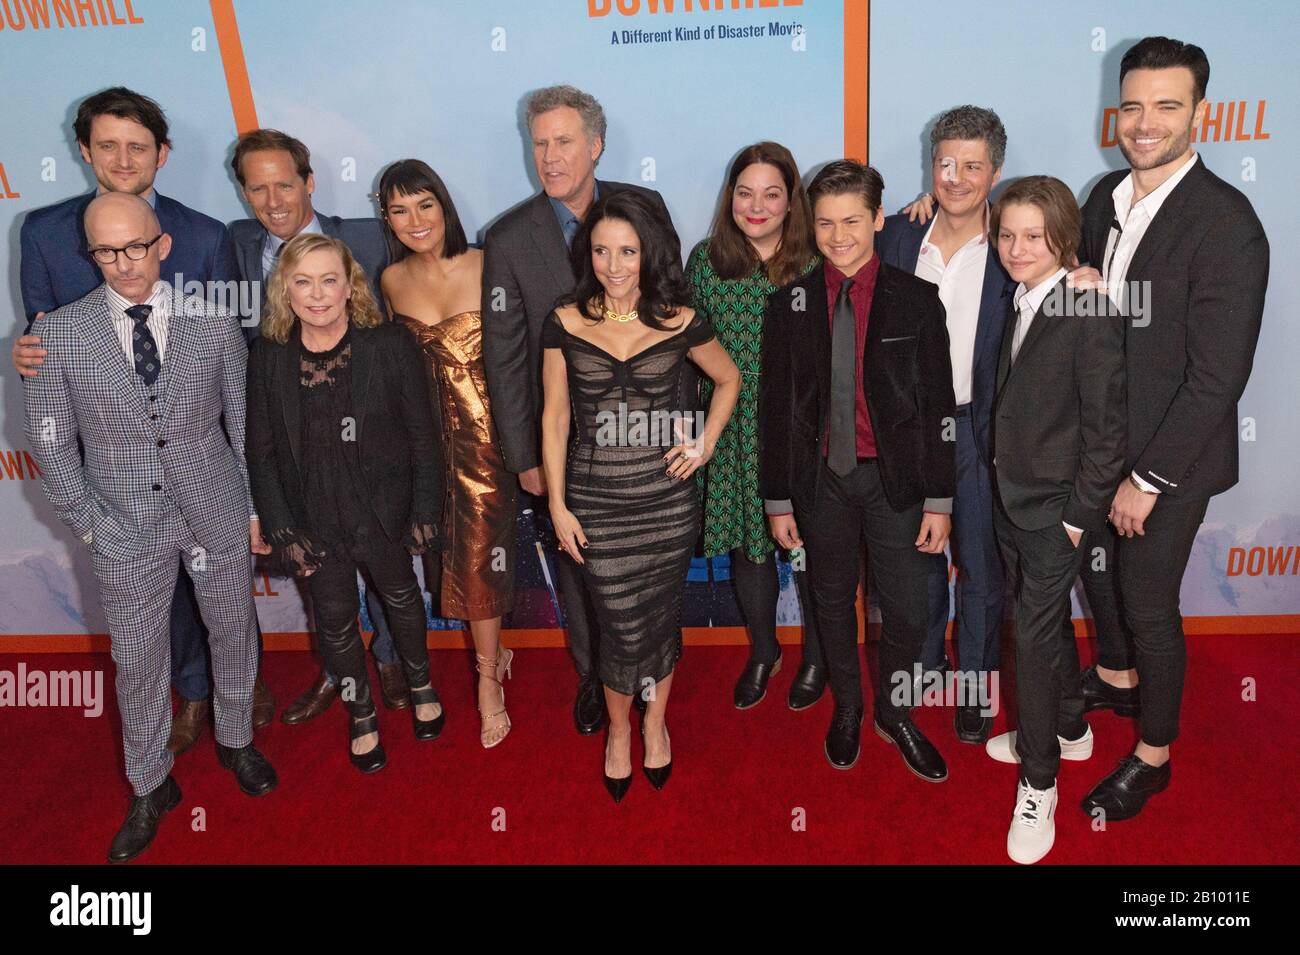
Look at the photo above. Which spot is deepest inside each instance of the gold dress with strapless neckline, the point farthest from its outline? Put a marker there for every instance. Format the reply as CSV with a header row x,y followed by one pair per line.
x,y
478,555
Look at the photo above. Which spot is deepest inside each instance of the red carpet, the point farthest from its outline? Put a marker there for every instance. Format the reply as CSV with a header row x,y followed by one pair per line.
x,y
738,780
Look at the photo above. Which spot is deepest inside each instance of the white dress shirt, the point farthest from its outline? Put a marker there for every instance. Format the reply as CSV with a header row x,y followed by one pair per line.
x,y
1134,220
961,285
271,245
161,300
1028,302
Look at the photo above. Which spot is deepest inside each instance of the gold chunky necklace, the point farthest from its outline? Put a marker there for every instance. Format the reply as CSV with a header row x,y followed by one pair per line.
x,y
614,316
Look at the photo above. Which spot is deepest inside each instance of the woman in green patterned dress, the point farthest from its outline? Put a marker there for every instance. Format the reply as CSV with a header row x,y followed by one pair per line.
x,y
761,238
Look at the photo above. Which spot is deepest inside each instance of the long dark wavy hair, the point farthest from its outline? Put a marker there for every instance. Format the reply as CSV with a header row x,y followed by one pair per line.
x,y
730,253
663,288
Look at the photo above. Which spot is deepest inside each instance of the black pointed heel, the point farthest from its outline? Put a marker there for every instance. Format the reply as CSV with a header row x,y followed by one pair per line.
x,y
617,787
427,729
658,776
375,760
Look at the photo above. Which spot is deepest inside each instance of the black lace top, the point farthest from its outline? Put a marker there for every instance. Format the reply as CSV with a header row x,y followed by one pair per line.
x,y
331,465
645,388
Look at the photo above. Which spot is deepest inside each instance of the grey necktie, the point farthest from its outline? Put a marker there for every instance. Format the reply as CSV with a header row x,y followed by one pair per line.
x,y
842,453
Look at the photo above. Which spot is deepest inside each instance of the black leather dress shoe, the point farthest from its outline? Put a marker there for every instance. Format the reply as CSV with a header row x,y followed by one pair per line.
x,y
752,685
142,821
808,686
918,752
589,706
844,738
972,726
254,773
1100,695
1123,793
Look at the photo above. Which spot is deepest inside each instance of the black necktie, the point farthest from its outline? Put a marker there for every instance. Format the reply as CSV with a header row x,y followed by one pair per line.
x,y
842,453
147,362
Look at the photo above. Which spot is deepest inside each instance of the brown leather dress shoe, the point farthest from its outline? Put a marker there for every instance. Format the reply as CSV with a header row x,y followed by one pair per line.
x,y
312,703
392,686
263,705
187,725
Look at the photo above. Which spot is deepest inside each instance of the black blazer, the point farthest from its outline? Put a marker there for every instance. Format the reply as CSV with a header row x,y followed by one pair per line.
x,y
400,458
526,268
1059,416
1205,256
907,378
899,244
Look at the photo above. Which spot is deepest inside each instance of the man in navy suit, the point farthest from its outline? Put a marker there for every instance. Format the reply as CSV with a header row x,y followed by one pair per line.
x,y
967,147
124,137
276,179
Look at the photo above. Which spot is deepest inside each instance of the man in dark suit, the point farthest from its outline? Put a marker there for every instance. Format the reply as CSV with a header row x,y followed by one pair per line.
x,y
967,146
124,137
1184,255
526,268
275,175
855,417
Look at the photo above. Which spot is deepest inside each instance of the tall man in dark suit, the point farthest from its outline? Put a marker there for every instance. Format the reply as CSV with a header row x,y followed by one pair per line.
x,y
1183,253
967,146
274,172
526,268
124,137
855,417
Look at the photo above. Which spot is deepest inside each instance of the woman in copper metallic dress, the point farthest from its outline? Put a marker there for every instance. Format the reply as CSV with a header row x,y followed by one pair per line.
x,y
433,287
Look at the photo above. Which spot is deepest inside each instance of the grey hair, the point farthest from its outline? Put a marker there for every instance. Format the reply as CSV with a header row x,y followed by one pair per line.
x,y
553,97
971,122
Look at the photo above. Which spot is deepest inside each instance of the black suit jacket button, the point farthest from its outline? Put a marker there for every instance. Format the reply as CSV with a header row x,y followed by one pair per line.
x,y
162,442
157,487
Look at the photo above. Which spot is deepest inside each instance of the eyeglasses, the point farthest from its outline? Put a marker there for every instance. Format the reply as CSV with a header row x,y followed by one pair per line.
x,y
135,251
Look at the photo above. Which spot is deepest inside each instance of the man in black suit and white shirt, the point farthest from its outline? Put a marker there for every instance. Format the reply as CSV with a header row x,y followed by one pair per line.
x,y
1184,254
525,269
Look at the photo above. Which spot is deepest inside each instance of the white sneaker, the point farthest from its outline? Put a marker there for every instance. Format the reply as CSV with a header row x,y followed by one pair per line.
x,y
1033,824
1003,748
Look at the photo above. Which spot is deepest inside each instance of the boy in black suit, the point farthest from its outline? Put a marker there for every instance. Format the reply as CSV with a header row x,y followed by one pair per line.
x,y
1058,451
856,424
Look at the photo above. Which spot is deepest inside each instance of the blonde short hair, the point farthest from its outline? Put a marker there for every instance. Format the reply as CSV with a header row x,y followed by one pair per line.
x,y
363,311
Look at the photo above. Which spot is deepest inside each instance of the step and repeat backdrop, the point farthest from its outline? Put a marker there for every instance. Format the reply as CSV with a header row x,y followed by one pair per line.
x,y
684,85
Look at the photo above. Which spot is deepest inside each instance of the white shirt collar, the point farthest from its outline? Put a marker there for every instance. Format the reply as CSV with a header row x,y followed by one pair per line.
x,y
1031,300
975,240
1122,195
159,295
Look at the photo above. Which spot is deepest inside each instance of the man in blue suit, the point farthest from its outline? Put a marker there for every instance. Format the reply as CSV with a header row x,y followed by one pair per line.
x,y
276,179
967,147
124,137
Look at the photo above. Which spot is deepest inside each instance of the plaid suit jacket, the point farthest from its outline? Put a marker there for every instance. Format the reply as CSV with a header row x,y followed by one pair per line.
x,y
134,466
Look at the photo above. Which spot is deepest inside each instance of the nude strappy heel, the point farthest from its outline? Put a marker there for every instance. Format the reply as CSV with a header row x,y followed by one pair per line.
x,y
505,657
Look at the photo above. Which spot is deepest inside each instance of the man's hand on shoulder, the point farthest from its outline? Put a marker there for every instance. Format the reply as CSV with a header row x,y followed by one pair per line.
x,y
27,354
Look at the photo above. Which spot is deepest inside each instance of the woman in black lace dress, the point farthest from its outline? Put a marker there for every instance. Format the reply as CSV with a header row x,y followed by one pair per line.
x,y
345,468
621,441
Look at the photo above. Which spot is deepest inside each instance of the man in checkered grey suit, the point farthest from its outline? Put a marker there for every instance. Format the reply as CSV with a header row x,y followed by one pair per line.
x,y
144,375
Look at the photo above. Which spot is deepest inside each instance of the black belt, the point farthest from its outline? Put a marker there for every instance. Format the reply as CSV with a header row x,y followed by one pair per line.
x,y
963,411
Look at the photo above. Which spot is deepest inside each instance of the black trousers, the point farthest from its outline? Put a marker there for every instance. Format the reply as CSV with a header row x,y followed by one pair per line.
x,y
758,589
848,510
1137,602
336,602
1043,565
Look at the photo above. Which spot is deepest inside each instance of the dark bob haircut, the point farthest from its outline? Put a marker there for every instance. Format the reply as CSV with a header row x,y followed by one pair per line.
x,y
409,177
664,290
124,104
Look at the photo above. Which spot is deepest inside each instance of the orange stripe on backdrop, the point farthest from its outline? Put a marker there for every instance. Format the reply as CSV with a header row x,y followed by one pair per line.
x,y
232,61
856,35
692,636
